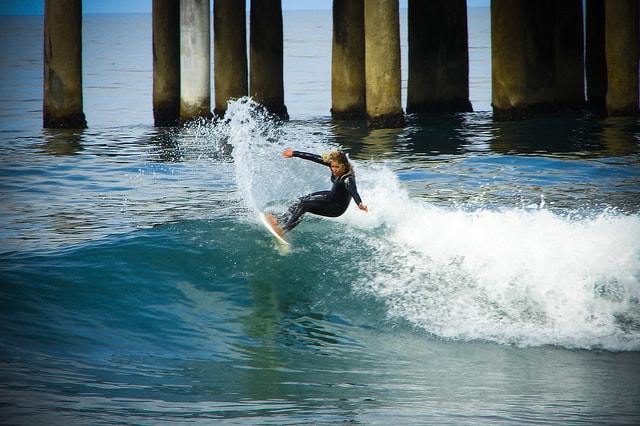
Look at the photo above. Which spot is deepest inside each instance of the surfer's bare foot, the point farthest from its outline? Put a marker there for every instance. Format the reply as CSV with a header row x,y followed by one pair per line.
x,y
279,230
274,224
272,220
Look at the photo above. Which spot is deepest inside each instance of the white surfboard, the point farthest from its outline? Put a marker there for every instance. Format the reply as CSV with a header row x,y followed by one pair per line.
x,y
282,244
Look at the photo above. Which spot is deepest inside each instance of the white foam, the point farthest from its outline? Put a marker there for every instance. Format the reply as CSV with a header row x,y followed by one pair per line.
x,y
263,176
514,275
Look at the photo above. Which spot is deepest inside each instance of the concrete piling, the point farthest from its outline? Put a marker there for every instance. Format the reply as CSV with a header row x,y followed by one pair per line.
x,y
195,60
569,54
62,99
266,83
438,56
382,64
166,62
523,58
229,52
595,59
621,47
537,53
347,60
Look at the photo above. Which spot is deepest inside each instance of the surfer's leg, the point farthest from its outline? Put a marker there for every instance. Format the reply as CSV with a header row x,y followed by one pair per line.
x,y
317,203
294,216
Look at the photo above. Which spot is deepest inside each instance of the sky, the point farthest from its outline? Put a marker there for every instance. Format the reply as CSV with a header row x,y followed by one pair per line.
x,y
36,7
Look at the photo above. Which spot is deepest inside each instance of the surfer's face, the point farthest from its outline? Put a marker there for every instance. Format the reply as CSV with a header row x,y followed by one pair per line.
x,y
337,168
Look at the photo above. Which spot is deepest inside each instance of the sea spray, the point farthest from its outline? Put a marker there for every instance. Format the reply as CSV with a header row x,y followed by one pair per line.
x,y
263,176
512,275
521,275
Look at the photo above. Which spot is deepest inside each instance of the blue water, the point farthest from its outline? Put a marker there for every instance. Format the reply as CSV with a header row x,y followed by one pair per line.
x,y
496,278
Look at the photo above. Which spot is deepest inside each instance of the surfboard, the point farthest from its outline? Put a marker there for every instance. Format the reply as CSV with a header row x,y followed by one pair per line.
x,y
282,244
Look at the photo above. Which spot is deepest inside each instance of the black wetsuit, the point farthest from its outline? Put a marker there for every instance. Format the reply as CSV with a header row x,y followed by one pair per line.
x,y
324,203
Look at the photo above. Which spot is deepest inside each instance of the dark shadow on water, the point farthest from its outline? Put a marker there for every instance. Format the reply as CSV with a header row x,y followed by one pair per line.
x,y
431,135
62,141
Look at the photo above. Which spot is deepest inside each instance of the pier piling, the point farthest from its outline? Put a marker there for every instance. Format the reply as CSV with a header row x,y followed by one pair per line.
x,y
569,54
523,58
382,63
595,59
266,84
347,60
540,53
166,62
438,56
230,52
195,60
62,98
621,46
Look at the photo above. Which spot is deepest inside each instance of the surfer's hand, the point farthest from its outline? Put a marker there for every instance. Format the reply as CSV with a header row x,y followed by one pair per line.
x,y
363,208
287,153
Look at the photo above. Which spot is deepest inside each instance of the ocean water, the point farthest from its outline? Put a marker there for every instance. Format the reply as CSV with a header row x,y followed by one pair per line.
x,y
495,280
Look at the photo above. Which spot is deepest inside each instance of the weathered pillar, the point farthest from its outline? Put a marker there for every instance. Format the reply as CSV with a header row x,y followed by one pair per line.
x,y
382,63
621,46
166,62
595,60
347,60
438,56
62,103
195,60
230,52
569,54
522,58
508,65
266,84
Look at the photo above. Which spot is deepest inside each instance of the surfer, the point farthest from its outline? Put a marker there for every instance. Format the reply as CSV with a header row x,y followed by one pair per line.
x,y
331,203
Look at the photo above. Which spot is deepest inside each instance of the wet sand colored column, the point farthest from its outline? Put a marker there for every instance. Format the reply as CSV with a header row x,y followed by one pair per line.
x,y
438,57
230,74
166,62
382,64
621,45
266,84
522,58
508,65
347,60
62,103
595,59
195,60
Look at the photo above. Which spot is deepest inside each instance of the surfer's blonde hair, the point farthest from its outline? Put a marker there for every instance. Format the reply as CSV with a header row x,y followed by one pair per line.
x,y
339,157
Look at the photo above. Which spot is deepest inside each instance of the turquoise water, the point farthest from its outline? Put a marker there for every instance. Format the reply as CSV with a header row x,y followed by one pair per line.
x,y
496,278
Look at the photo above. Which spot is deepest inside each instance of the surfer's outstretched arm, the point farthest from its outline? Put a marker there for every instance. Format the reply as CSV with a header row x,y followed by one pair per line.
x,y
288,153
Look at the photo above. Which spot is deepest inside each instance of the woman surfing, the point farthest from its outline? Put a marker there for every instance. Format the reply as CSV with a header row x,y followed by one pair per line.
x,y
331,203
